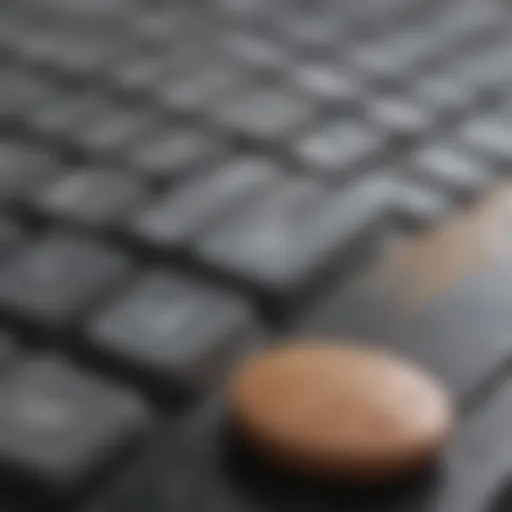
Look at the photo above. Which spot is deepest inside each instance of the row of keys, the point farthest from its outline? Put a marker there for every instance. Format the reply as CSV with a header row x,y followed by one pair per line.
x,y
115,199
394,59
106,198
151,327
276,115
102,198
277,235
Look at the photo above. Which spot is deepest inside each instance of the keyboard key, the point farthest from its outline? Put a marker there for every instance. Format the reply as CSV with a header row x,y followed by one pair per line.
x,y
379,65
255,52
489,136
488,69
79,55
19,92
288,242
112,128
199,88
91,196
63,113
159,26
61,426
264,114
415,205
327,84
445,94
140,71
23,168
187,211
314,30
167,154
154,330
53,281
189,53
312,33
419,205
449,165
406,122
33,42
339,148
463,21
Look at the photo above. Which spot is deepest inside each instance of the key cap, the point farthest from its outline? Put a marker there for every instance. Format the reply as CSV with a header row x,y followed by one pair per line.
x,y
169,153
339,148
242,9
61,426
327,84
186,212
444,93
264,114
199,88
190,53
62,114
140,71
153,329
418,205
462,22
55,280
449,165
312,33
113,128
439,299
488,69
379,65
489,136
255,52
477,460
405,122
160,25
23,168
19,92
291,240
79,55
37,44
90,196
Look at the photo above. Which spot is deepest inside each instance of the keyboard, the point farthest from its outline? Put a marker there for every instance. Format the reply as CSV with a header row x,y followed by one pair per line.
x,y
185,183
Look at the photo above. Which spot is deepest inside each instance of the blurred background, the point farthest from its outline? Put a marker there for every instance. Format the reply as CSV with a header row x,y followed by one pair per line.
x,y
180,180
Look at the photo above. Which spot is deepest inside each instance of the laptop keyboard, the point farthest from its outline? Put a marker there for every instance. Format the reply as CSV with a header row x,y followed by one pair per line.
x,y
183,183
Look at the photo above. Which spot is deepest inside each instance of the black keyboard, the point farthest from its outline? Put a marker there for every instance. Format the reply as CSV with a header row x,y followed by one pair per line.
x,y
183,183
